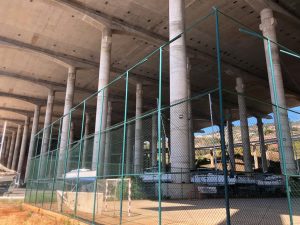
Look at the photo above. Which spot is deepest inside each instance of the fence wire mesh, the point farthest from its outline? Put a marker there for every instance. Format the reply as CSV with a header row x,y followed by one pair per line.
x,y
163,162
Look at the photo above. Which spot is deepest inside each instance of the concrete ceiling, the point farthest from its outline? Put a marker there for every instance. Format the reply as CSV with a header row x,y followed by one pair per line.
x,y
39,39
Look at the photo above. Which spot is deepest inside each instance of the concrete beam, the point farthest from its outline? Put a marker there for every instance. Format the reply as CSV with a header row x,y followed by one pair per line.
x,y
100,19
18,111
15,121
55,86
135,78
33,100
75,61
9,128
26,112
59,58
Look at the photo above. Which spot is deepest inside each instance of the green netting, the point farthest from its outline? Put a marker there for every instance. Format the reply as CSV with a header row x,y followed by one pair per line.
x,y
134,170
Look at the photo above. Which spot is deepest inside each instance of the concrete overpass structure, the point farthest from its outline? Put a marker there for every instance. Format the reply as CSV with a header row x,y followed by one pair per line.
x,y
55,53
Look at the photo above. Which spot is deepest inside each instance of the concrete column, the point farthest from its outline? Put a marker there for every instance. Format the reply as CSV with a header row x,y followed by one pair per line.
x,y
66,120
23,146
4,145
17,149
163,153
71,133
138,141
154,141
107,153
46,130
268,155
255,156
129,149
260,130
190,118
11,150
230,140
7,149
102,99
47,121
2,140
179,128
244,125
212,158
71,153
34,129
268,24
86,140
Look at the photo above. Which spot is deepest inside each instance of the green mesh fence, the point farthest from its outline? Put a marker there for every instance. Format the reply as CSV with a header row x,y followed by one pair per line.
x,y
180,162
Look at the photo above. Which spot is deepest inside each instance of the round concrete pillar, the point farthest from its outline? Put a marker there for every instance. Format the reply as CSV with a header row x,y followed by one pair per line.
x,y
86,140
129,149
17,149
260,129
107,154
138,138
267,26
7,150
230,140
72,162
3,146
23,147
154,141
47,122
102,99
2,139
163,153
34,129
244,125
179,126
66,120
255,156
11,150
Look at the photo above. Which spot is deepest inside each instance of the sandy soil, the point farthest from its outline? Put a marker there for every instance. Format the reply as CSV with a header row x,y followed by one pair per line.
x,y
12,213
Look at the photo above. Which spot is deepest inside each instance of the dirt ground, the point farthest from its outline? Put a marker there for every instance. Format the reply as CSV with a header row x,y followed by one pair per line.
x,y
12,213
268,211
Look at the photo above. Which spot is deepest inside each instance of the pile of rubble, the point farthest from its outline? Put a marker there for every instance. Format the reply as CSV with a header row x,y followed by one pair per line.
x,y
6,172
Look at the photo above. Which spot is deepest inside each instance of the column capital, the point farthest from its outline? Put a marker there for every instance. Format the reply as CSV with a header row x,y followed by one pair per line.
x,y
239,85
71,70
106,32
27,119
267,19
51,92
139,88
37,107
106,41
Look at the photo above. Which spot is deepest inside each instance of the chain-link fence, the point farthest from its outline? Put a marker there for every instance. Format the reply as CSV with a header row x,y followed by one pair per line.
x,y
218,156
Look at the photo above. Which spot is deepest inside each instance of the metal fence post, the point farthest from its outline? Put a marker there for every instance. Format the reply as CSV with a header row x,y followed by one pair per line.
x,y
222,136
280,133
124,147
